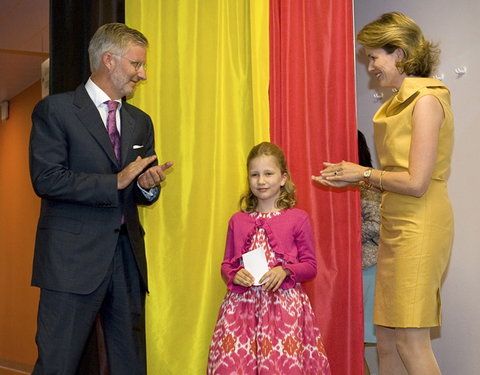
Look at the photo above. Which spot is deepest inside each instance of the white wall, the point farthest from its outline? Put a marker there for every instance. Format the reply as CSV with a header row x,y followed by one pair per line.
x,y
456,26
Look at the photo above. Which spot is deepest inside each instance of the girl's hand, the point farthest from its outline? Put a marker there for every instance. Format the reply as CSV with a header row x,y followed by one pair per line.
x,y
274,278
340,174
243,278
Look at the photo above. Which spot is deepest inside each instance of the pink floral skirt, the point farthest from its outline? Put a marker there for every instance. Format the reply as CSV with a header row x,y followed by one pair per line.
x,y
260,332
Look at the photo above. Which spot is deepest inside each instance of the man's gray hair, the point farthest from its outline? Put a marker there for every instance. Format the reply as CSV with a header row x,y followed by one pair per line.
x,y
114,38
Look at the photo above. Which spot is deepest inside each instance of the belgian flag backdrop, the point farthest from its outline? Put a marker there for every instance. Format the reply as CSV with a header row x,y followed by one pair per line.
x,y
224,75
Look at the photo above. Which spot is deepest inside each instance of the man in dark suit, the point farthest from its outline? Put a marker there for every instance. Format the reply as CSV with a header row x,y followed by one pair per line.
x,y
92,161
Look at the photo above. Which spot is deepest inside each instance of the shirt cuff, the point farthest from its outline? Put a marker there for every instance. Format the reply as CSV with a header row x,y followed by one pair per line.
x,y
149,194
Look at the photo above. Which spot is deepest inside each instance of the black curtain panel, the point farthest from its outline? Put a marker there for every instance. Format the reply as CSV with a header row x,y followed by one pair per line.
x,y
72,24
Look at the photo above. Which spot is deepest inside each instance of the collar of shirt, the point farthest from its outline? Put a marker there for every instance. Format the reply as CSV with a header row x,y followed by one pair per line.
x,y
99,97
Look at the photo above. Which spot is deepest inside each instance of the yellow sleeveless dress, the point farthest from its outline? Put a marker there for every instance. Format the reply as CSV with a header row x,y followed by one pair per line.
x,y
416,233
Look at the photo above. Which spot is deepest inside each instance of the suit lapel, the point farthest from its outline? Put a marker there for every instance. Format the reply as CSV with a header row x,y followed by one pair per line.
x,y
128,126
88,115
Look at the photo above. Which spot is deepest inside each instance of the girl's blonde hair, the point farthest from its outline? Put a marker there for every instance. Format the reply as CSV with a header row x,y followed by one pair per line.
x,y
395,30
248,201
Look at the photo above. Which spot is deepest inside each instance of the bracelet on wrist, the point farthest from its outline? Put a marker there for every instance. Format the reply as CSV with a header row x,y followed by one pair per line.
x,y
380,184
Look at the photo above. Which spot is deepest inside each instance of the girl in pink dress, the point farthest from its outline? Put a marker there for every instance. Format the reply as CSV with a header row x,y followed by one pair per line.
x,y
267,326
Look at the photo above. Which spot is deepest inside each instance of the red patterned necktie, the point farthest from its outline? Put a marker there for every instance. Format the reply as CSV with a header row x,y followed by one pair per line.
x,y
112,127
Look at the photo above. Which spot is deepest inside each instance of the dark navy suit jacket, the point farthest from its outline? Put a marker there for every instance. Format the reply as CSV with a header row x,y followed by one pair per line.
x,y
73,169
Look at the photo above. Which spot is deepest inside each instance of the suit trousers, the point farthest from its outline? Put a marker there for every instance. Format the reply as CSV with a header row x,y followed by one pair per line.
x,y
65,321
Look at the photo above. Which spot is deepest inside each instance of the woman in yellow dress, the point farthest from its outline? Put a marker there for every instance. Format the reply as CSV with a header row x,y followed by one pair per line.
x,y
413,139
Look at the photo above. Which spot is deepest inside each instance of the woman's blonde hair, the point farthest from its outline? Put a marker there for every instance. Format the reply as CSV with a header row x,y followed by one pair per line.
x,y
248,201
395,30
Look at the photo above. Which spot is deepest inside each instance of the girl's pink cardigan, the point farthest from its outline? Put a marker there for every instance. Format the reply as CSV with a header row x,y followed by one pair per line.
x,y
289,235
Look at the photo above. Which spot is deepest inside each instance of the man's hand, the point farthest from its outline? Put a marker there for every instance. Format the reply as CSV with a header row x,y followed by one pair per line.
x,y
132,170
153,175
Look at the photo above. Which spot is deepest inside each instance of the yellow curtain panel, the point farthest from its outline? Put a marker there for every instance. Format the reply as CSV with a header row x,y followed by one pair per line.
x,y
207,93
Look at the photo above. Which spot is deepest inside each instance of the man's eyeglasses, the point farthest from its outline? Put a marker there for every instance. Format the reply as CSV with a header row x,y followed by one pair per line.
x,y
136,64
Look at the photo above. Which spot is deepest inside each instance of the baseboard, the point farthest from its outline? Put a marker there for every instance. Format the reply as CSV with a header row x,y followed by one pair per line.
x,y
14,368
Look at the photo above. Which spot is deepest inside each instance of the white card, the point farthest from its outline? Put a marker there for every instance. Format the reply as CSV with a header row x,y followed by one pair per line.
x,y
255,262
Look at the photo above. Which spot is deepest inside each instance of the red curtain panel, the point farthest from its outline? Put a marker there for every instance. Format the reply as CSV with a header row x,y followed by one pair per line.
x,y
312,117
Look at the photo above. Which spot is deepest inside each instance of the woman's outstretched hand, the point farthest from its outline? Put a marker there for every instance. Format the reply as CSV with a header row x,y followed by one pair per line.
x,y
339,174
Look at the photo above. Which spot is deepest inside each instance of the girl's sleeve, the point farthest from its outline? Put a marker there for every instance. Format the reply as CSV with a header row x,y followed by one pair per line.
x,y
231,262
306,268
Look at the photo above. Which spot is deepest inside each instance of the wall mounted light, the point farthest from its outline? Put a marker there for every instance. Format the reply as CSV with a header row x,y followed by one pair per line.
x,y
460,71
4,110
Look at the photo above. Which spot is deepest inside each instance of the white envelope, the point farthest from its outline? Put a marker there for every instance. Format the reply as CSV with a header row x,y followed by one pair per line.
x,y
255,262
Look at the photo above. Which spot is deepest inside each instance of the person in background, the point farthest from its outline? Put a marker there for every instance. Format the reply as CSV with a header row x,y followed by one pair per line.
x,y
266,325
92,161
370,203
413,133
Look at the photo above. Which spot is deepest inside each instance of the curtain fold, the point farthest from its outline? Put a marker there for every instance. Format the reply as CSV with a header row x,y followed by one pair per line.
x,y
312,112
206,92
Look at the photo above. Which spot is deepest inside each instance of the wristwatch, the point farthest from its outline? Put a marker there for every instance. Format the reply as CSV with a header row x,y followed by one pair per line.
x,y
366,174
